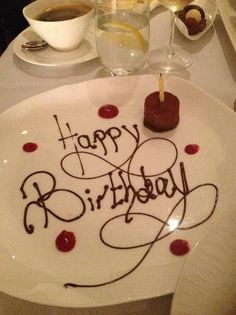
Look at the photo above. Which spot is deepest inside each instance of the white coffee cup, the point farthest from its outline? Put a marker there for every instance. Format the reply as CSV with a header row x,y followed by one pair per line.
x,y
61,35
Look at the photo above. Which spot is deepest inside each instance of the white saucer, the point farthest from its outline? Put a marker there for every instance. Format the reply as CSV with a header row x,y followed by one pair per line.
x,y
50,57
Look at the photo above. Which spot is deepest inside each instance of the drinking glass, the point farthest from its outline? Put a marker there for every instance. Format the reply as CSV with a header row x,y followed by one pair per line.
x,y
122,35
171,58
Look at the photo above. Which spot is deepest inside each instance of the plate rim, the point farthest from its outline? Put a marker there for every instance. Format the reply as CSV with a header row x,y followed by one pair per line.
x,y
192,258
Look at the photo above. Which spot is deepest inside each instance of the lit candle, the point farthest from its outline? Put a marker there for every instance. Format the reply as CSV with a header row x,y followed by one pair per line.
x,y
161,89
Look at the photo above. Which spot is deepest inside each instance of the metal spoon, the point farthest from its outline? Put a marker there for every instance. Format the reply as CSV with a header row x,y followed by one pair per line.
x,y
34,45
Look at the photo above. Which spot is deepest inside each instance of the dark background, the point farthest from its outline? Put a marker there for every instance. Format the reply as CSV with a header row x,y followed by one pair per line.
x,y
12,21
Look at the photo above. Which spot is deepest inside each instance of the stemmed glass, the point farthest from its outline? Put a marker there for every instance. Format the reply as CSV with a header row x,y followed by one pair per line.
x,y
171,58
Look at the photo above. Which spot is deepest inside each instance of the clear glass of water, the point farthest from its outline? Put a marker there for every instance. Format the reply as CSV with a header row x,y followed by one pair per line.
x,y
122,35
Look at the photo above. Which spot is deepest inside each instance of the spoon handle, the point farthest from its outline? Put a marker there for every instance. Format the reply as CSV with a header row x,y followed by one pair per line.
x,y
34,44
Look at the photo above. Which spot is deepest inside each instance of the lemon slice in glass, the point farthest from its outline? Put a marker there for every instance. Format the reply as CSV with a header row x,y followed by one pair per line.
x,y
129,35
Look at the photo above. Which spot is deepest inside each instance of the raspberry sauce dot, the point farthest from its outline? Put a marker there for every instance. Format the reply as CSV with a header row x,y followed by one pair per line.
x,y
30,147
65,241
108,111
191,148
179,247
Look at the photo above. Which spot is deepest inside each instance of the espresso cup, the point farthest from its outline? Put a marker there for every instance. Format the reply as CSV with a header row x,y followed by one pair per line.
x,y
61,23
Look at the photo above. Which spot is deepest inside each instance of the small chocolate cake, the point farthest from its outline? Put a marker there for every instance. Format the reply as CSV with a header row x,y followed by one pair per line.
x,y
161,116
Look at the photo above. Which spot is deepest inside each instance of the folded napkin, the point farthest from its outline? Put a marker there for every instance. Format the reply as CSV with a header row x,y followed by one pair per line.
x,y
232,16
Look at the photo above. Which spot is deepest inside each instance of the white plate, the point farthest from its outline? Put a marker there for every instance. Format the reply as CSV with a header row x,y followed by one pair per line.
x,y
210,9
207,284
51,57
31,267
226,9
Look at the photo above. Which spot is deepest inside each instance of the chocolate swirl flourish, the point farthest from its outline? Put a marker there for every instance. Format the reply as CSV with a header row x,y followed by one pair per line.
x,y
132,183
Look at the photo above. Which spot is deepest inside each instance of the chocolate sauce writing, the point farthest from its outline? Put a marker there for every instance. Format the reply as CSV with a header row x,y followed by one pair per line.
x,y
134,181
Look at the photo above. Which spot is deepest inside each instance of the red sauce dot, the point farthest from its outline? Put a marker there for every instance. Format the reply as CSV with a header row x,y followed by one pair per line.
x,y
192,148
30,147
108,111
179,247
65,241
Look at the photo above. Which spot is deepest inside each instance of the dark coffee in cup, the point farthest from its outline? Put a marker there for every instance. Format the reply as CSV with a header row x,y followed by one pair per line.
x,y
63,12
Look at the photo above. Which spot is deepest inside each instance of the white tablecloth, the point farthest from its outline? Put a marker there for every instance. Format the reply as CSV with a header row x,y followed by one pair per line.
x,y
213,69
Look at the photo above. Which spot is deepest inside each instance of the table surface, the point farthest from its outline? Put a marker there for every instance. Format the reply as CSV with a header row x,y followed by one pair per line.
x,y
213,69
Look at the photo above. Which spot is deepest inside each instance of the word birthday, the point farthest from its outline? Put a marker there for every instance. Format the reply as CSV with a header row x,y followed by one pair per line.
x,y
117,160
